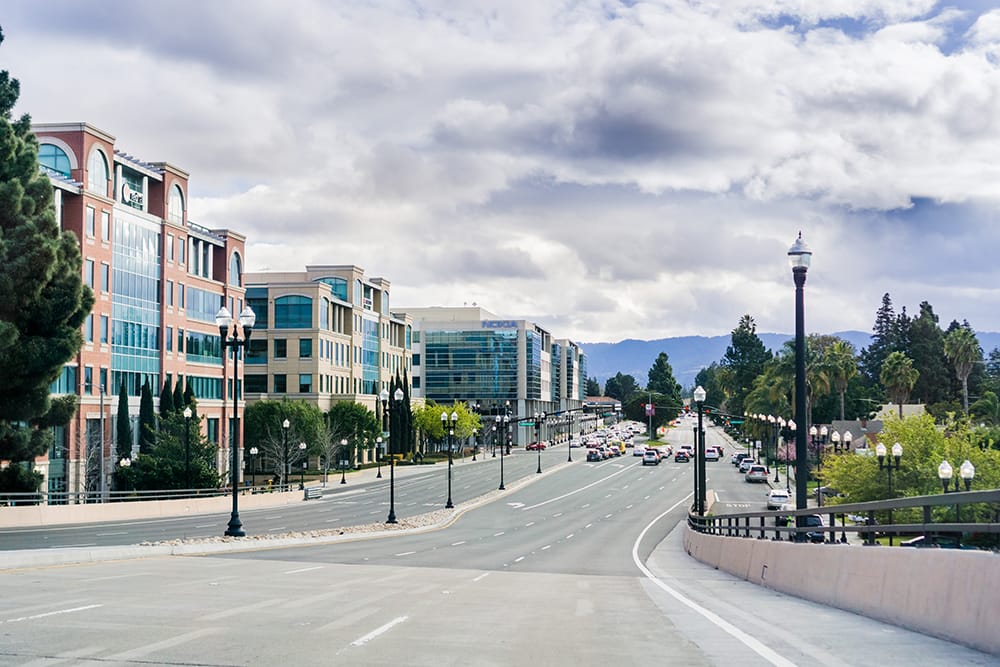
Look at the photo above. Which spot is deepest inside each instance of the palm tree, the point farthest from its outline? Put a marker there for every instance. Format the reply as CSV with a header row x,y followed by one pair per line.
x,y
842,364
962,349
987,408
898,377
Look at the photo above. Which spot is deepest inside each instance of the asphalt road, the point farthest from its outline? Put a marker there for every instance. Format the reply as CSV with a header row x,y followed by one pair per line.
x,y
581,567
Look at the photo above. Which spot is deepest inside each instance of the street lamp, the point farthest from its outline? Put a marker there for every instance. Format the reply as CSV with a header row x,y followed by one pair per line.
x,y
384,398
835,439
378,456
253,466
125,463
284,427
880,452
791,427
800,256
343,461
967,472
397,397
450,433
305,460
539,418
847,441
187,447
699,451
224,321
779,426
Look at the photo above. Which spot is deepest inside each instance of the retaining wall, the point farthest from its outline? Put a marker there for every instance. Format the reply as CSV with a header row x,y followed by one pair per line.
x,y
946,593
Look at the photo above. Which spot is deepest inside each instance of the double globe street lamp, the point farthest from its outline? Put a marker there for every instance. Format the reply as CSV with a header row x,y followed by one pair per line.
x,y
800,257
397,405
224,320
451,434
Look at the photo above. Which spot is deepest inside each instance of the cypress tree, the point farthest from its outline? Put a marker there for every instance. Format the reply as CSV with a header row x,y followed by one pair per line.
x,y
407,429
189,399
123,438
147,420
178,399
45,302
166,399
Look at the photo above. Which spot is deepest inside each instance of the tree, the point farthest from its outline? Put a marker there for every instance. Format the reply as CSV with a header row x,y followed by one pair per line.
x,y
986,409
147,420
189,400
709,379
661,378
898,377
166,399
745,359
963,350
262,428
926,348
123,439
163,467
890,333
177,400
622,387
593,387
45,302
842,366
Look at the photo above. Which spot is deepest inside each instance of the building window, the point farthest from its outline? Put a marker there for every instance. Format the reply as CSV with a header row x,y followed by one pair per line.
x,y
88,329
256,384
180,341
104,329
416,359
88,273
257,353
54,159
293,312
170,292
105,277
175,205
180,250
97,173
91,231
180,295
280,348
280,384
170,339
103,379
170,247
105,226
305,383
416,382
305,348
88,379
235,270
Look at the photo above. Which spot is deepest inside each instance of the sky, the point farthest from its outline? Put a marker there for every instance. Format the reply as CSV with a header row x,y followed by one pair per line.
x,y
609,170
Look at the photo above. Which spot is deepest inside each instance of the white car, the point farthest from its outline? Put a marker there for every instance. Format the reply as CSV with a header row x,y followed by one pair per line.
x,y
651,457
745,464
776,498
638,450
711,454
756,473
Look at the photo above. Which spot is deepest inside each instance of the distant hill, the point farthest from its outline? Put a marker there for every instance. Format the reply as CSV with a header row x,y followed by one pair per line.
x,y
689,354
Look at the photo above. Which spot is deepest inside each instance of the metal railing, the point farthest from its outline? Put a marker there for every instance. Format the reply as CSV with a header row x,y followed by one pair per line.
x,y
23,499
927,516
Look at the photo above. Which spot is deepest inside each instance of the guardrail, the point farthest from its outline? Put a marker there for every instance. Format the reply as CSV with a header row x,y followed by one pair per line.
x,y
928,516
22,499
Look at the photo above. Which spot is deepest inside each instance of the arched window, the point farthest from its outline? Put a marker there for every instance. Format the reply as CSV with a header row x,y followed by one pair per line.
x,y
54,159
236,270
337,285
175,206
293,312
97,173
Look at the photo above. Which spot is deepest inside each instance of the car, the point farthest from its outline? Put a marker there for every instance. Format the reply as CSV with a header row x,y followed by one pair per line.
x,y
535,446
651,457
809,521
638,450
745,464
711,454
681,456
756,473
594,455
827,492
575,443
776,498
739,456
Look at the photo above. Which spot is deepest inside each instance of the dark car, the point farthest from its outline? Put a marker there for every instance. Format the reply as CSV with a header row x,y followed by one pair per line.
x,y
594,455
681,457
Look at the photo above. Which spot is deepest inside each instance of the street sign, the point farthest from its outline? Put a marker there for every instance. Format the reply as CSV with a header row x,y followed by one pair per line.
x,y
526,424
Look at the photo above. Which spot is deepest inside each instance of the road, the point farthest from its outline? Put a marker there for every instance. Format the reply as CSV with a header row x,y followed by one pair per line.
x,y
581,567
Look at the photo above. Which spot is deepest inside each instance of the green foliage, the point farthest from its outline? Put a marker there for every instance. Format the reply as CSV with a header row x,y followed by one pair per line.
x,y
177,401
593,387
123,436
712,379
744,360
166,399
963,351
622,387
987,409
163,467
278,448
44,300
20,478
898,377
661,379
147,420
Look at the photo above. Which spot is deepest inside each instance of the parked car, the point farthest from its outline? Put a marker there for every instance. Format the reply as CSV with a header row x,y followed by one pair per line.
x,y
745,464
776,498
756,473
681,456
827,492
810,521
535,446
739,456
651,457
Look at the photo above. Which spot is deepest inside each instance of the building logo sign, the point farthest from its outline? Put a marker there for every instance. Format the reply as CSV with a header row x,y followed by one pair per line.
x,y
499,324
131,197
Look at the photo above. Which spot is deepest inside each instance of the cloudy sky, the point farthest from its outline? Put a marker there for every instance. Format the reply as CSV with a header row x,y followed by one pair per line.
x,y
608,169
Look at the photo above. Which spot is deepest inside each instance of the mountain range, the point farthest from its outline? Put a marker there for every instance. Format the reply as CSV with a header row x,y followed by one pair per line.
x,y
689,354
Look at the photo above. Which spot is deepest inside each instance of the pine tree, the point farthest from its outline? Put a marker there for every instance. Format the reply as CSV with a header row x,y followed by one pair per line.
x,y
926,348
744,360
123,439
44,302
147,420
885,340
189,399
166,399
178,397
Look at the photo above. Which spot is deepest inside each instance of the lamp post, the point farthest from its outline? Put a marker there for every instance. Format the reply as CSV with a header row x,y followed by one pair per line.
x,y
791,427
450,433
305,460
699,451
967,472
569,438
502,426
187,448
397,397
343,461
880,451
253,466
539,419
835,439
847,441
224,321
284,474
378,456
384,398
125,464
779,426
800,256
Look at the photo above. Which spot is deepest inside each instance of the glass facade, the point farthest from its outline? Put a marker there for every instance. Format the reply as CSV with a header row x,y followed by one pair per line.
x,y
205,387
202,305
257,300
135,329
204,348
338,286
533,365
480,364
54,159
369,356
556,366
292,312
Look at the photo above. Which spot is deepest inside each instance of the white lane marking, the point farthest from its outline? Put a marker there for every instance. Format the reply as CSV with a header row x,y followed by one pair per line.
x,y
377,631
608,516
570,536
662,487
588,525
547,546
455,544
482,576
583,507
529,524
206,525
120,532
52,613
557,515
498,534
305,569
752,643
279,528
628,507
646,498
406,553
519,559
516,505
582,488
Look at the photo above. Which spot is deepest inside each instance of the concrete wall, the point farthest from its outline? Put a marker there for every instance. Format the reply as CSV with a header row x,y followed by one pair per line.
x,y
946,593
51,515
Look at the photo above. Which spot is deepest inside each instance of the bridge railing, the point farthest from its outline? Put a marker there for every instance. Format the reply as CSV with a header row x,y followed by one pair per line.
x,y
931,516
